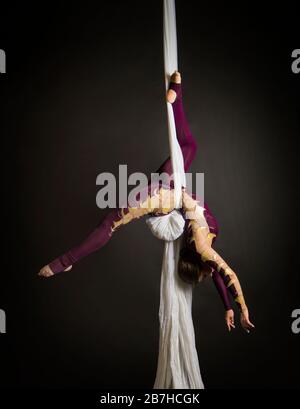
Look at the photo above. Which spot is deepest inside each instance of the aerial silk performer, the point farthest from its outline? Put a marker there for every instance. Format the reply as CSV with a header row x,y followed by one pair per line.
x,y
188,228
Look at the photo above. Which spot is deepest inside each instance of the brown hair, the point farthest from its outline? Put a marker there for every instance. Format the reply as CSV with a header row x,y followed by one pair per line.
x,y
191,268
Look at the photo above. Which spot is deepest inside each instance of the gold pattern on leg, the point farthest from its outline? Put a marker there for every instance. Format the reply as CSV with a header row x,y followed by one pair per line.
x,y
162,201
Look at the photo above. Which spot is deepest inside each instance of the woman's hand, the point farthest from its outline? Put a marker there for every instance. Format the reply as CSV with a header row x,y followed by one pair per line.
x,y
245,322
229,318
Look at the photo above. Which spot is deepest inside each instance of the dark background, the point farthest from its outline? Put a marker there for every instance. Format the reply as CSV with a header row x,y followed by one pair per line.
x,y
83,93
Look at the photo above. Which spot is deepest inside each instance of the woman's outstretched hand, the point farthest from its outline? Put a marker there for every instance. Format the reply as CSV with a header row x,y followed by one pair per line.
x,y
229,318
245,322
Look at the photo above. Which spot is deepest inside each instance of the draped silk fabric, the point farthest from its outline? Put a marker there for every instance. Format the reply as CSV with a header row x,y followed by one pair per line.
x,y
169,227
178,365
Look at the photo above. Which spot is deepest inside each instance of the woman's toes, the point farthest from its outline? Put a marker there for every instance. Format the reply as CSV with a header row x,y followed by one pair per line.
x,y
68,268
171,96
45,272
176,77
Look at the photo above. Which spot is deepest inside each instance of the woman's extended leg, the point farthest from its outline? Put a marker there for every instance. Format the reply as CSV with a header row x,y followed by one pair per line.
x,y
160,202
186,141
185,138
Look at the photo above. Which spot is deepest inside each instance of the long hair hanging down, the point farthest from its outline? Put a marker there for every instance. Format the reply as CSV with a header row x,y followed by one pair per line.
x,y
191,268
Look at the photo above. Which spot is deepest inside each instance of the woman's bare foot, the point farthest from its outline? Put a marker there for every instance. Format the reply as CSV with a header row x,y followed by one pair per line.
x,y
47,272
171,94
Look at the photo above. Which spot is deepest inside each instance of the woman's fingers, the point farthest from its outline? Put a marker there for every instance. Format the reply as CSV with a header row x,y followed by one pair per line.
x,y
245,321
229,318
244,325
251,325
230,323
247,325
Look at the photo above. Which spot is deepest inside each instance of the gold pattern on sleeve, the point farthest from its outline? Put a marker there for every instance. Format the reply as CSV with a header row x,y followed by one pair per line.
x,y
230,282
240,300
208,254
205,256
210,237
228,272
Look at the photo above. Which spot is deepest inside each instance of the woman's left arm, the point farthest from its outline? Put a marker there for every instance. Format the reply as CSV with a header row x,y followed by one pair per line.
x,y
223,292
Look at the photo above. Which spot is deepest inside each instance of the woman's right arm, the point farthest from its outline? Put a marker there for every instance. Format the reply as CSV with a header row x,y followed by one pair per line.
x,y
230,279
214,260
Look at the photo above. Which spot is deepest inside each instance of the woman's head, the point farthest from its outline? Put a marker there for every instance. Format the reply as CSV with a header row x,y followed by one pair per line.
x,y
191,268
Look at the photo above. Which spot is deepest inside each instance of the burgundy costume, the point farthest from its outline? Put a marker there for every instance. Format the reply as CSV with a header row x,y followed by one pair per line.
x,y
103,232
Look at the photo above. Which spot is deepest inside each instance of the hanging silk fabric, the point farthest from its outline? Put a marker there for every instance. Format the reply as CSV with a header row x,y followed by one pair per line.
x,y
178,365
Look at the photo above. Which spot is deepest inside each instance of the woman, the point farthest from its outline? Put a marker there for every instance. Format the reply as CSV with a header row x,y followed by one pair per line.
x,y
197,257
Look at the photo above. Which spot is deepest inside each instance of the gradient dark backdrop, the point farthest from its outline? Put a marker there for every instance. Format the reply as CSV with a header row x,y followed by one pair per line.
x,y
84,93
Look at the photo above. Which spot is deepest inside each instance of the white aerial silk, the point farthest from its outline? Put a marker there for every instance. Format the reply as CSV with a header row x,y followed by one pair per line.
x,y
178,365
169,227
